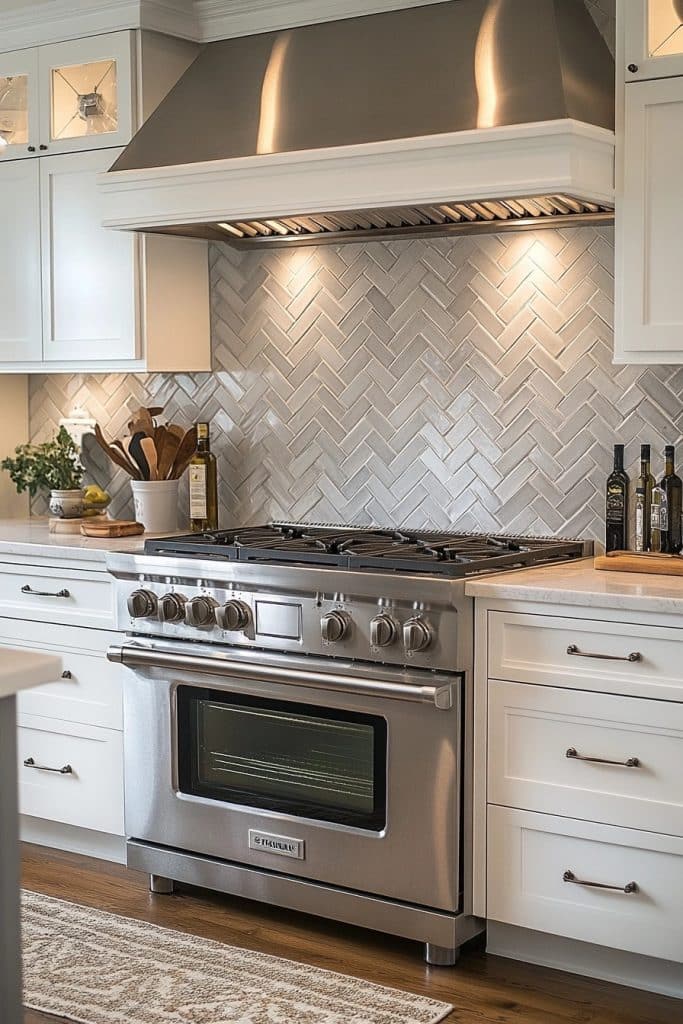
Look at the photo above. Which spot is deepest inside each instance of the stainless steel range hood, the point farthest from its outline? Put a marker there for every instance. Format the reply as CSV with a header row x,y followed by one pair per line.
x,y
457,115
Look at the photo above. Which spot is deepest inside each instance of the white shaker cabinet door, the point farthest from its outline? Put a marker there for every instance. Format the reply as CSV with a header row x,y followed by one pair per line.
x,y
90,274
649,226
20,298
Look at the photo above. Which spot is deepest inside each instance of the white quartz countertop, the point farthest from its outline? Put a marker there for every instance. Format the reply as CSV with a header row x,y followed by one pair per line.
x,y
31,537
578,583
20,670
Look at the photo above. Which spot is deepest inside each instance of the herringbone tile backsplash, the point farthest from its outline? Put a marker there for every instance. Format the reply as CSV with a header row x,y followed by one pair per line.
x,y
460,382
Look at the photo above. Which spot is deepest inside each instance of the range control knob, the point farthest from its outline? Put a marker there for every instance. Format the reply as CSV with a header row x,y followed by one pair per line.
x,y
172,607
233,615
142,604
334,626
383,631
200,611
417,635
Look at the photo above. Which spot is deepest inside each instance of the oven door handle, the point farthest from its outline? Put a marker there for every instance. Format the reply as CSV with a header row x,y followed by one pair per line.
x,y
141,657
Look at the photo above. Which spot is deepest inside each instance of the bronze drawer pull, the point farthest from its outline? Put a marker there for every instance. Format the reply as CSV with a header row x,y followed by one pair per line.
x,y
64,770
26,589
631,762
629,888
633,656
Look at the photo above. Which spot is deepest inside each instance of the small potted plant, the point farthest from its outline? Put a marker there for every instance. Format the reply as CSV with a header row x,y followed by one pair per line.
x,y
51,466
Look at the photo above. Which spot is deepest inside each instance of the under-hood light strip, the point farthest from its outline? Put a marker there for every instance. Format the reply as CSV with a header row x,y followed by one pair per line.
x,y
526,211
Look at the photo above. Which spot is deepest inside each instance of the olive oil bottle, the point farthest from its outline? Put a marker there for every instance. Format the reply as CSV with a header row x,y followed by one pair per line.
x,y
673,488
203,484
616,504
646,481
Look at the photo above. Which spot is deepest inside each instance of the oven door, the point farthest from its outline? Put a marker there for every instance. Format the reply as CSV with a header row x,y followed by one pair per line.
x,y
298,766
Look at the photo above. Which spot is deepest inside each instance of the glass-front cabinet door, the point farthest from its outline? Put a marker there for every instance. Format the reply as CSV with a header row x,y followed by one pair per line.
x,y
653,37
87,94
18,104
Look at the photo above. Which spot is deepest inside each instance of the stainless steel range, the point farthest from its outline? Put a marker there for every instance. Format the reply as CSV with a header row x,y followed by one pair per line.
x,y
298,719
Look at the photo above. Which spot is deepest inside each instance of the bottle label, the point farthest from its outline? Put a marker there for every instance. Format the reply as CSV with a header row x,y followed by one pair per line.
x,y
664,516
654,517
615,505
639,527
198,503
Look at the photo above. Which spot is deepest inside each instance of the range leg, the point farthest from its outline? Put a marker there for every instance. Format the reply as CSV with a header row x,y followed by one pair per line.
x,y
160,885
441,956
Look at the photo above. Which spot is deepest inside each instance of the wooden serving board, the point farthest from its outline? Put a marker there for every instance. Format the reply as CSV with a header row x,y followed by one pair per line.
x,y
637,561
111,528
57,525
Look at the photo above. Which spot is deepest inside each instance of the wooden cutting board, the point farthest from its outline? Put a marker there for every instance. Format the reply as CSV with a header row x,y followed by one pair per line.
x,y
636,561
111,528
57,525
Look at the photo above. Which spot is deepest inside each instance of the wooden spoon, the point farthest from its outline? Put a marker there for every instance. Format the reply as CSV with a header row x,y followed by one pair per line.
x,y
187,448
138,455
150,452
115,455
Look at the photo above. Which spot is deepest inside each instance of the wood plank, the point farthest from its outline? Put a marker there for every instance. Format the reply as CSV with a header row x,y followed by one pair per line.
x,y
484,989
640,561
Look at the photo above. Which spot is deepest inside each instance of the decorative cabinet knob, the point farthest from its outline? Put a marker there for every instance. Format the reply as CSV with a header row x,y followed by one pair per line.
x,y
632,68
233,615
334,626
417,635
383,631
172,607
31,149
200,611
142,604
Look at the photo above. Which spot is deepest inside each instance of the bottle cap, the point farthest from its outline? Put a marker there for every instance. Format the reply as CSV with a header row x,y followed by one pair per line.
x,y
645,451
618,448
202,430
669,450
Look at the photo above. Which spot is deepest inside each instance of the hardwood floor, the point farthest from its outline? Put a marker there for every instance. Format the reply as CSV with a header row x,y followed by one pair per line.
x,y
484,989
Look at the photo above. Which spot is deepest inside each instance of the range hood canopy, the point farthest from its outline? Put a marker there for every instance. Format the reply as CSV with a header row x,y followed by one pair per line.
x,y
450,116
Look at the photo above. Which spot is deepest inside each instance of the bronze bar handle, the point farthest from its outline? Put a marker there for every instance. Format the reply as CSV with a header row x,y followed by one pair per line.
x,y
629,888
631,762
633,656
26,589
64,770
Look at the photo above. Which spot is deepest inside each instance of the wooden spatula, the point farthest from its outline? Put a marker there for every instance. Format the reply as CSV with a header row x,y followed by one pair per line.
x,y
186,450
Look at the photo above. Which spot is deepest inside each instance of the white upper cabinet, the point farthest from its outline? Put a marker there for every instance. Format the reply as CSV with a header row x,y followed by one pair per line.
x,y
89,273
77,95
19,117
20,326
653,37
649,225
75,296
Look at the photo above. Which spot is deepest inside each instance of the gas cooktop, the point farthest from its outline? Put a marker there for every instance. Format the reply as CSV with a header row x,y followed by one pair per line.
x,y
370,549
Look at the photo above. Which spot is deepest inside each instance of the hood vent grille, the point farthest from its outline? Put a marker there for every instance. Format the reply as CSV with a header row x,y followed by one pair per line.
x,y
433,219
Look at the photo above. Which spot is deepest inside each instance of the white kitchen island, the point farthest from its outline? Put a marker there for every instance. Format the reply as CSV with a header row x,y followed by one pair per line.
x,y
19,670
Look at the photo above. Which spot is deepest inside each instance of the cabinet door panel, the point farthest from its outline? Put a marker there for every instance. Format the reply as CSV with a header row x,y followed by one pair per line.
x,y
653,38
649,226
19,115
86,87
89,273
20,298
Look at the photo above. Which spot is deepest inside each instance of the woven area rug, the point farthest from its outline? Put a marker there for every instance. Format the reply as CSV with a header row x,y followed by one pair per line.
x,y
93,967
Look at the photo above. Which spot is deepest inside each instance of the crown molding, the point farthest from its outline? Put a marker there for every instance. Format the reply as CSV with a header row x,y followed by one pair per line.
x,y
224,19
52,21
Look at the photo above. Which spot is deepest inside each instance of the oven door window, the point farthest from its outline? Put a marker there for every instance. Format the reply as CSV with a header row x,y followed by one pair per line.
x,y
297,759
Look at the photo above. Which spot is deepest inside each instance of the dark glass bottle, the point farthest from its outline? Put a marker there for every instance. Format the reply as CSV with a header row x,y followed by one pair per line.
x,y
616,504
646,481
203,484
672,485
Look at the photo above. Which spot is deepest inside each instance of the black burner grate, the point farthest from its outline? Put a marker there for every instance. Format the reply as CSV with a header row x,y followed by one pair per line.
x,y
405,551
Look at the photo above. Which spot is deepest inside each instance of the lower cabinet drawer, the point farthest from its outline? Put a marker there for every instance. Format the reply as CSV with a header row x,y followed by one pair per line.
x,y
74,774
537,862
613,759
34,593
89,690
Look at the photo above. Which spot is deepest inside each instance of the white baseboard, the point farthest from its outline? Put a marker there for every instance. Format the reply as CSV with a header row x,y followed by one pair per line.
x,y
71,839
622,968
